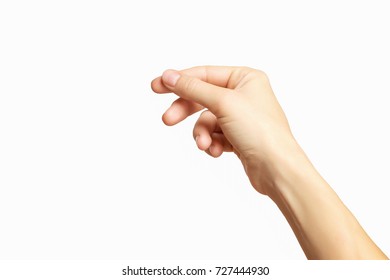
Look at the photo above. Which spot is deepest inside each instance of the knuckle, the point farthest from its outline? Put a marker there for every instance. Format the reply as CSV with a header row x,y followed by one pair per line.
x,y
260,73
246,72
254,72
262,76
246,69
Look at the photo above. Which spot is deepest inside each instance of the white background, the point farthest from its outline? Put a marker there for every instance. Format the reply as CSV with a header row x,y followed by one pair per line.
x,y
89,171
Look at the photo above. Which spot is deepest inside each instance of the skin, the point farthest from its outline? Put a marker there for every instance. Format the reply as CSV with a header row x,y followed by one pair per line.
x,y
242,115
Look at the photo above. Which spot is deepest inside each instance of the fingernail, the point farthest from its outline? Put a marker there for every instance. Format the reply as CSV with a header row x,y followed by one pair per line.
x,y
170,77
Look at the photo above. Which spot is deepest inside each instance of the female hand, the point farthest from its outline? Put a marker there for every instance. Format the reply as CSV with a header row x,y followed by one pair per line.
x,y
242,115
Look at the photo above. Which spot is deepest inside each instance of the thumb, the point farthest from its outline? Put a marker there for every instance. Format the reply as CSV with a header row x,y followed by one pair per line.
x,y
193,89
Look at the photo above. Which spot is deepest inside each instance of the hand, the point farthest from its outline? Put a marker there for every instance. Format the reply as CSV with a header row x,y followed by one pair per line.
x,y
242,116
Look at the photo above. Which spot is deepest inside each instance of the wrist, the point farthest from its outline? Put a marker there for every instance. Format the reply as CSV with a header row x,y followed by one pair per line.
x,y
282,165
292,170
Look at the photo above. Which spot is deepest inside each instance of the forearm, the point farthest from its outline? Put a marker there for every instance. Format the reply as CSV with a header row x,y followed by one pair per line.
x,y
323,225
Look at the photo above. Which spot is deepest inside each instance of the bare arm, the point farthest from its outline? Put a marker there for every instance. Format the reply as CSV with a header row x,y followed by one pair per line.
x,y
243,116
323,225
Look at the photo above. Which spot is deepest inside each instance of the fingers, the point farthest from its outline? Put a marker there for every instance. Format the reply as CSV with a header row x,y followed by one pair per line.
x,y
205,85
197,88
193,89
203,129
209,137
215,75
179,110
219,145
158,86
